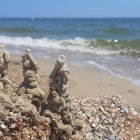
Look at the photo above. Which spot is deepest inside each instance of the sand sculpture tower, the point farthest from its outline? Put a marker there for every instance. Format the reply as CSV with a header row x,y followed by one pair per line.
x,y
5,83
30,86
57,111
58,88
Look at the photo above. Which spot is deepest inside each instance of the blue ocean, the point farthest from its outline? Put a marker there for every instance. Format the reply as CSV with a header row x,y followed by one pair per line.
x,y
108,44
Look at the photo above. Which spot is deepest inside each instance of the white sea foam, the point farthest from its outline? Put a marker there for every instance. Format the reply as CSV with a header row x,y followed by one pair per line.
x,y
77,44
134,81
101,67
115,40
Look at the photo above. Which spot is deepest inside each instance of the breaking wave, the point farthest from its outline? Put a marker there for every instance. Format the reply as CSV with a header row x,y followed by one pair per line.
x,y
97,46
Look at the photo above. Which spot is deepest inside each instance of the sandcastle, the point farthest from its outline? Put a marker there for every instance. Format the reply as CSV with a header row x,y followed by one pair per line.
x,y
57,111
5,83
30,86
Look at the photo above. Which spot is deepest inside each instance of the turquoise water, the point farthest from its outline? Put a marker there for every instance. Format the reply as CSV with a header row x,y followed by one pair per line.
x,y
112,45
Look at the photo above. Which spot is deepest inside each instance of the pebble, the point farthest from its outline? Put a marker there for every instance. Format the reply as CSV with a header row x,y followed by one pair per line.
x,y
12,126
3,126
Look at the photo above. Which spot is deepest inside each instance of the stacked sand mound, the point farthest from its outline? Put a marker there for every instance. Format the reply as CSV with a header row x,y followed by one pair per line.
x,y
30,85
29,113
57,111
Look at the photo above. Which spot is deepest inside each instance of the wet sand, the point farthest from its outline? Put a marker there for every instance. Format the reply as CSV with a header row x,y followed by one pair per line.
x,y
83,81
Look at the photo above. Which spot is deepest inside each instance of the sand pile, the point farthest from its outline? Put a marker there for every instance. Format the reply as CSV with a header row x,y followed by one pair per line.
x,y
30,85
57,110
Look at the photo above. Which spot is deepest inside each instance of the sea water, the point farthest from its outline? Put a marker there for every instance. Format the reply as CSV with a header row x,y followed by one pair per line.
x,y
109,44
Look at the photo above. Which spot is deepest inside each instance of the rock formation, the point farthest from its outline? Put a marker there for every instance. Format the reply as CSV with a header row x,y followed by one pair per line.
x,y
57,111
30,86
5,83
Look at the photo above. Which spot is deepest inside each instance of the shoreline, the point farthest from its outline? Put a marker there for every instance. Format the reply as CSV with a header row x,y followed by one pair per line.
x,y
84,82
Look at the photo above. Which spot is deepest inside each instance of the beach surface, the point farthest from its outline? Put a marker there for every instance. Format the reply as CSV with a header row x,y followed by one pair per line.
x,y
84,82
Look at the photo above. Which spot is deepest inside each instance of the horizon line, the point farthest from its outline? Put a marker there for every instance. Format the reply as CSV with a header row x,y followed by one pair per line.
x,y
67,17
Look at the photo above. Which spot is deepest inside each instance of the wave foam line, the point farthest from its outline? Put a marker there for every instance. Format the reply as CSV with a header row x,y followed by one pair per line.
x,y
77,44
136,82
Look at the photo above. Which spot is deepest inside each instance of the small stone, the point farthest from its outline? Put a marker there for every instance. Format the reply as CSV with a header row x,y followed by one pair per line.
x,y
3,126
11,113
135,113
12,126
94,125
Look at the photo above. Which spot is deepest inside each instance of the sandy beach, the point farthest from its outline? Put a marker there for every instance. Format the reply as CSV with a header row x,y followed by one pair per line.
x,y
84,82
